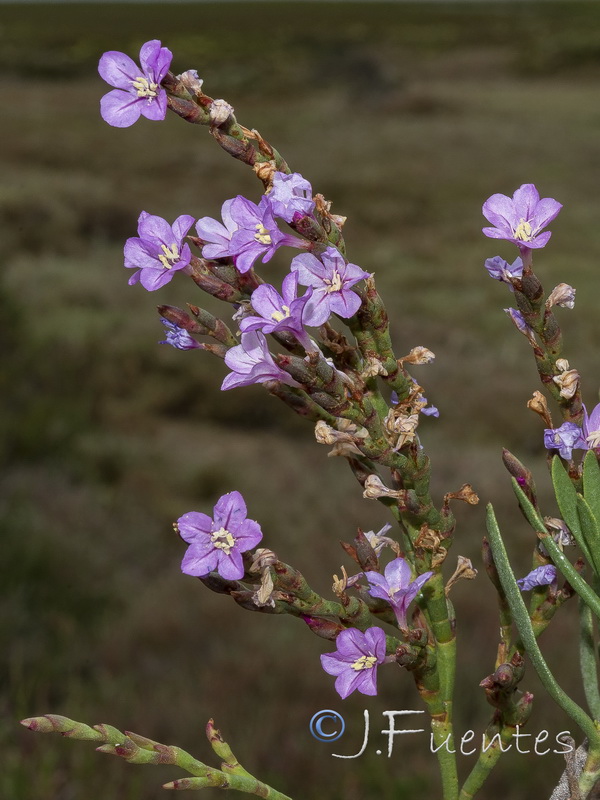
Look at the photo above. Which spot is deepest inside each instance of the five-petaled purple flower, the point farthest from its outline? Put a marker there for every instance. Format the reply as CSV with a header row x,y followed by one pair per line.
x,y
138,90
396,587
249,231
280,312
331,279
157,253
178,337
251,362
217,544
540,576
501,270
291,196
521,218
564,439
356,660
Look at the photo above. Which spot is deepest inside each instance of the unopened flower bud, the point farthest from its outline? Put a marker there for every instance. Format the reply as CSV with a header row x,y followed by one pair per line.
x,y
325,628
562,295
219,112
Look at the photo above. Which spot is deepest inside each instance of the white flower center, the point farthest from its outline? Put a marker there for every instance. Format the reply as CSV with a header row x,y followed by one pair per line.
x,y
262,235
144,87
335,284
223,540
593,439
524,231
364,662
169,255
279,315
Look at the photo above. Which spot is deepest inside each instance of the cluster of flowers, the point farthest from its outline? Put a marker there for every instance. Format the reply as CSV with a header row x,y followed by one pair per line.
x,y
521,220
248,232
217,545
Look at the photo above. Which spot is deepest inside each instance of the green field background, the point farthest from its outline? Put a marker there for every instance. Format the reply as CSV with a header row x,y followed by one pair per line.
x,y
407,118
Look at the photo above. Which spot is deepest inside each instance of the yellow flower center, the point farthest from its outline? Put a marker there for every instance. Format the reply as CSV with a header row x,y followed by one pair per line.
x,y
223,540
144,87
169,255
262,234
279,315
594,439
364,662
524,231
335,284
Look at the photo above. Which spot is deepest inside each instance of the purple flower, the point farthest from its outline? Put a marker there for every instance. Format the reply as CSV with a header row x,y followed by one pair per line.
x,y
591,428
280,312
356,660
178,337
396,587
521,218
250,231
500,270
217,236
291,195
564,439
540,576
217,544
137,91
257,234
157,253
251,362
331,279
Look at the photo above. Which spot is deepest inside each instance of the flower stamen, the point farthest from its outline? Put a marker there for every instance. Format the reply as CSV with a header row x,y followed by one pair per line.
x,y
223,540
524,231
364,662
169,255
262,234
144,87
335,284
279,315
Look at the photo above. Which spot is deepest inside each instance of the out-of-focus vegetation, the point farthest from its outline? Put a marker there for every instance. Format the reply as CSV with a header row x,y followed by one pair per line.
x,y
407,118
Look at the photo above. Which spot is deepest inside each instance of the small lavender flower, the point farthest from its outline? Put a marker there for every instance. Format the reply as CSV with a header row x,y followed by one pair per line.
x,y
591,428
331,279
291,195
521,218
251,362
249,231
178,337
280,312
257,234
564,439
540,576
356,660
396,587
217,544
500,270
138,90
157,253
217,236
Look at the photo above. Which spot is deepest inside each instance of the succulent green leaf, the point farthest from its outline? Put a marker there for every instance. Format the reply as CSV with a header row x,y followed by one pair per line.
x,y
566,497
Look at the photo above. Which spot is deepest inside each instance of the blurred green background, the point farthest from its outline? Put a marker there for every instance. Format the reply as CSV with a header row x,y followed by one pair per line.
x,y
407,118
